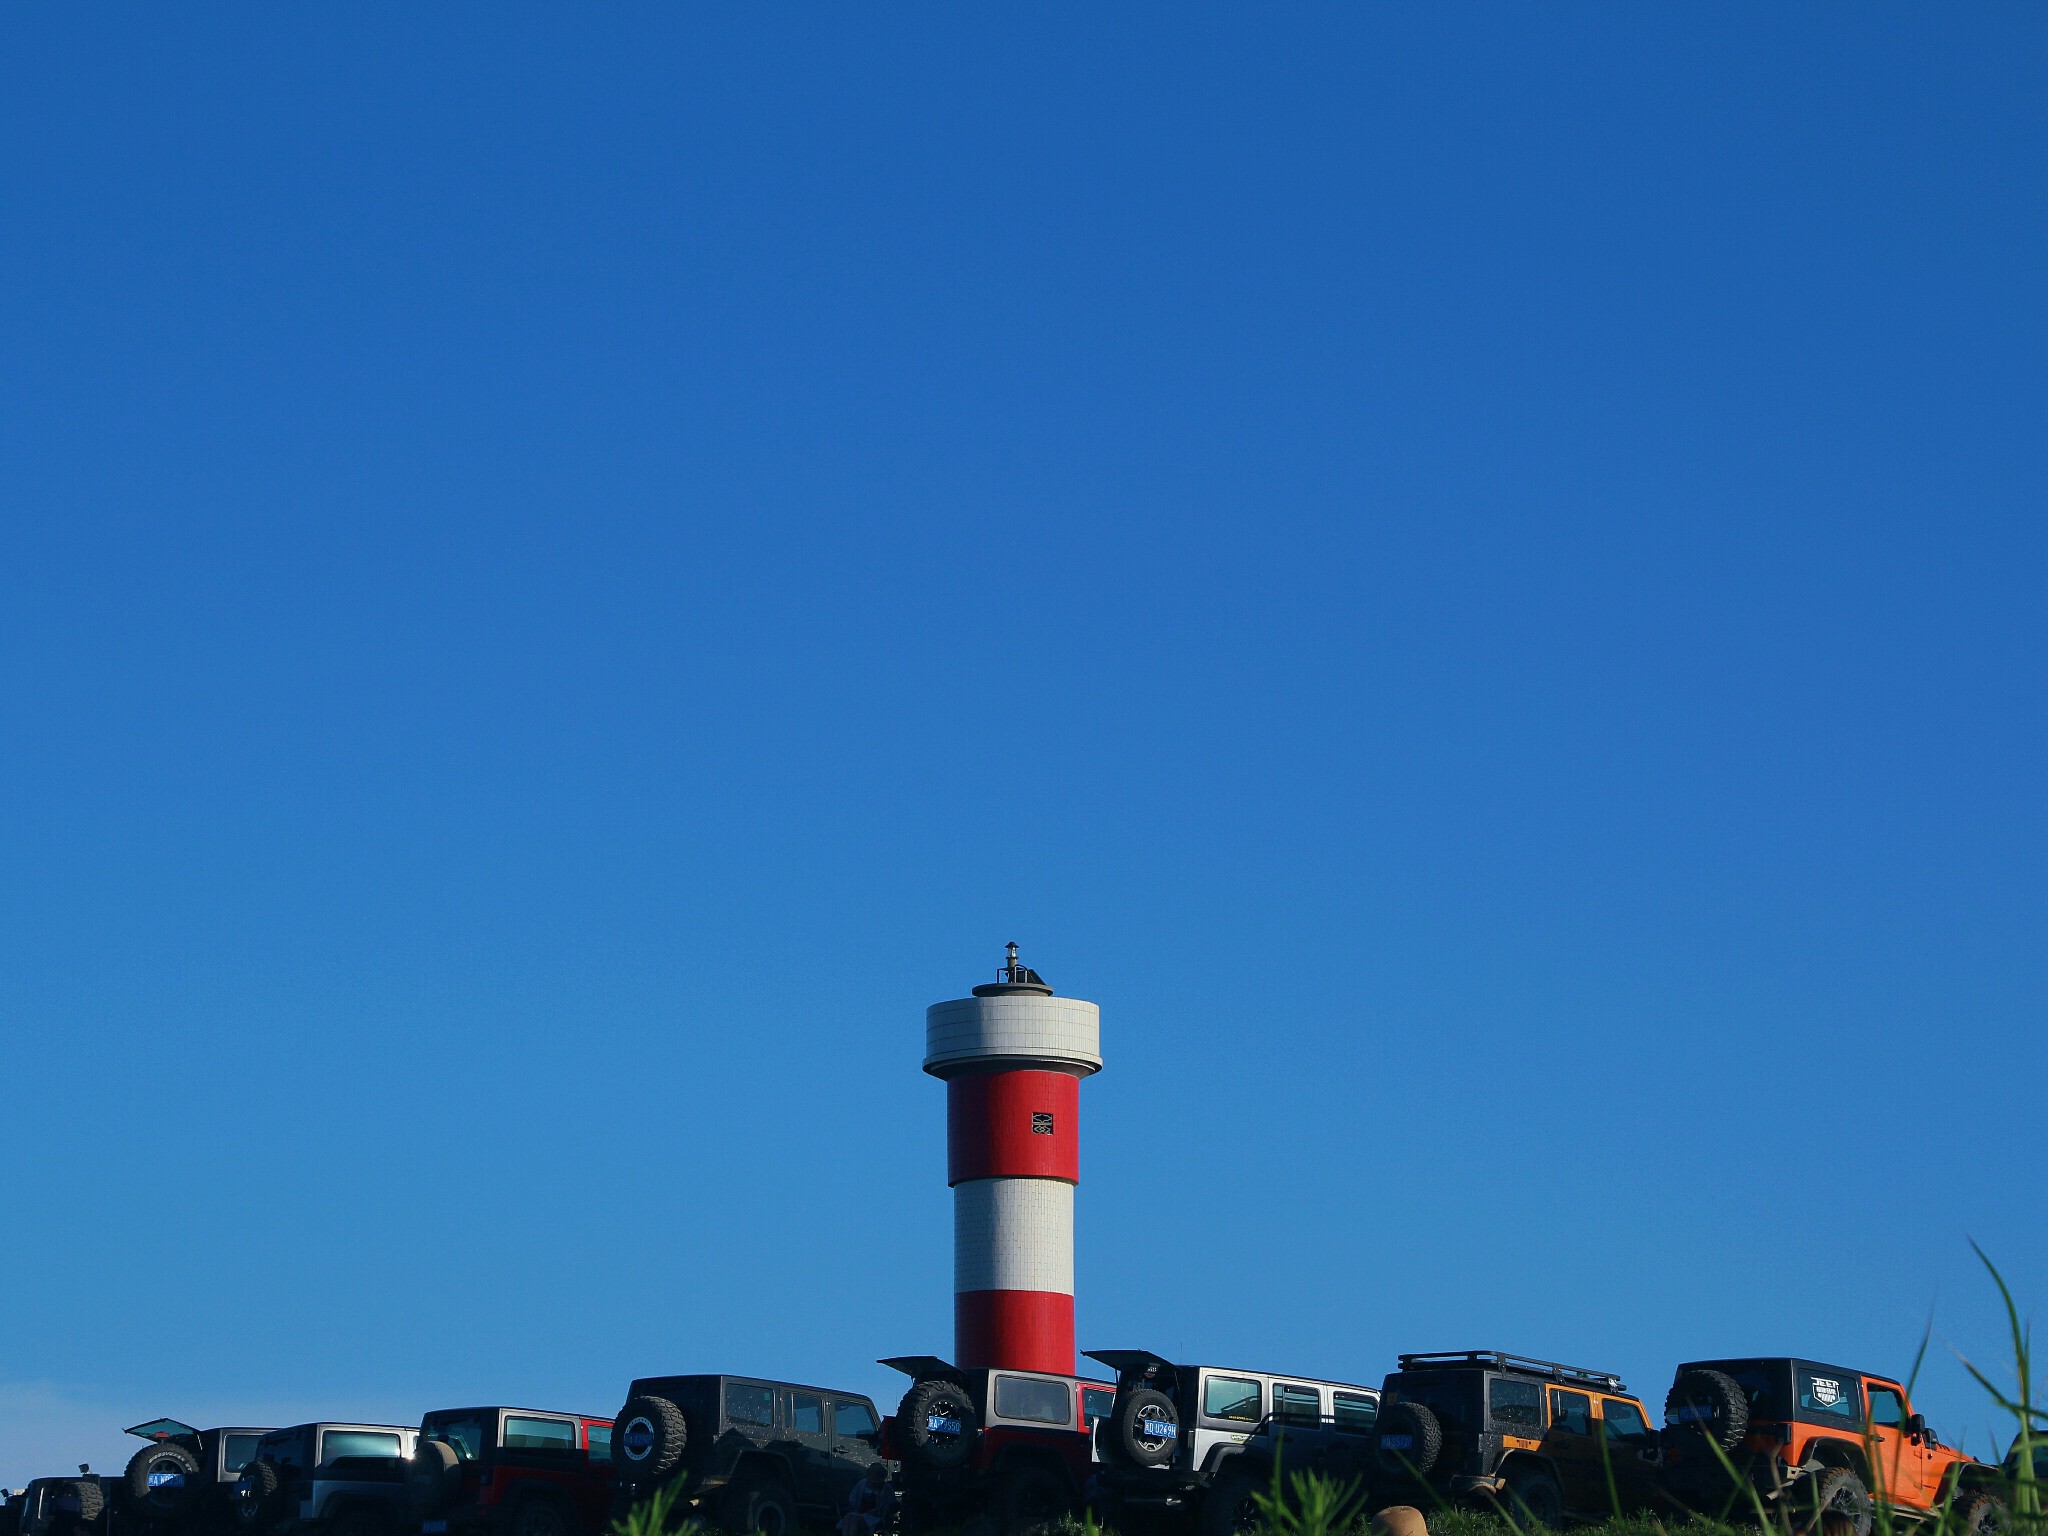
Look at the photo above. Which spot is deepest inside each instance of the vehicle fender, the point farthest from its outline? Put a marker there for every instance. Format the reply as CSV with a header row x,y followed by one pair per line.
x,y
1233,1458
1528,1458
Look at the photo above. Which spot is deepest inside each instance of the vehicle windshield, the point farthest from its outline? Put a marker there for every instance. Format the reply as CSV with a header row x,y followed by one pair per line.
x,y
1453,1396
464,1431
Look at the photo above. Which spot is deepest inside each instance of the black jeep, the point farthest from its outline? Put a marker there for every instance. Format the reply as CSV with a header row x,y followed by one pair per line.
x,y
1014,1448
750,1455
184,1478
1535,1437
1202,1440
64,1506
348,1476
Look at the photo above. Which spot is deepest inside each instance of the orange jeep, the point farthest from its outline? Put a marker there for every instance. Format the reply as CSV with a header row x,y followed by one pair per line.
x,y
1812,1437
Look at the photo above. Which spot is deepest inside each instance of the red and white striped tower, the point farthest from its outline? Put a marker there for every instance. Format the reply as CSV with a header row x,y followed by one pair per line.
x,y
1012,1057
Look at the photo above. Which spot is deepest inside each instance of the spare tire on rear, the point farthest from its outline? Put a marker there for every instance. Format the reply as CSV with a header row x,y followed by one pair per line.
x,y
162,1479
936,1425
1407,1440
92,1499
648,1439
256,1494
433,1476
1710,1403
1144,1427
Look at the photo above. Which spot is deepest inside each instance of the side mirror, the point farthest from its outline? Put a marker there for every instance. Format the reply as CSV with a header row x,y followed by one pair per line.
x,y
1916,1426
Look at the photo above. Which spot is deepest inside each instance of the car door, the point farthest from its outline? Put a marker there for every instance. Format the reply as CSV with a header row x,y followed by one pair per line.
x,y
1900,1459
856,1444
1568,1442
1631,1453
810,1448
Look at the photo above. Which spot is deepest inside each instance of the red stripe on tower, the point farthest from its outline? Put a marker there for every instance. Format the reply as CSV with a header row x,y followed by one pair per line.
x,y
1012,1057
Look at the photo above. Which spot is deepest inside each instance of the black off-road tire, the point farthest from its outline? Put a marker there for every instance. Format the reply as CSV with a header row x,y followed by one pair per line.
x,y
92,1498
433,1476
1978,1513
1419,1424
1837,1488
936,1448
758,1506
1228,1508
256,1495
1128,1436
161,1457
540,1516
655,1426
1708,1403
1533,1499
1030,1501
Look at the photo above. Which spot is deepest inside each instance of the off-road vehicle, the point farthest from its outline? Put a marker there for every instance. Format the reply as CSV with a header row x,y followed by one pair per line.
x,y
512,1472
64,1506
1810,1437
1014,1449
751,1454
348,1476
184,1478
1537,1438
1203,1439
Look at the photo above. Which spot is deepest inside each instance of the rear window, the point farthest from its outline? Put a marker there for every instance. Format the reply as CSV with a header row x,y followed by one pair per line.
x,y
1232,1397
1039,1402
1356,1412
529,1434
1763,1384
746,1404
1516,1404
1829,1395
1095,1404
600,1442
464,1432
286,1448
1453,1396
337,1443
239,1451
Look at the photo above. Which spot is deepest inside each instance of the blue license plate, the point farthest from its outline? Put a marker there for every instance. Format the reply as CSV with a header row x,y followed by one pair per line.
x,y
1397,1442
1159,1429
939,1426
166,1479
433,1527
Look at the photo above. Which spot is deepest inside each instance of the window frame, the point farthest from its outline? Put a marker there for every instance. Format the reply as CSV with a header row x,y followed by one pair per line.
x,y
1258,1398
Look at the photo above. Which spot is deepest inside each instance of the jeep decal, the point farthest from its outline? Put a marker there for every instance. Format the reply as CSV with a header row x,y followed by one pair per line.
x,y
1826,1391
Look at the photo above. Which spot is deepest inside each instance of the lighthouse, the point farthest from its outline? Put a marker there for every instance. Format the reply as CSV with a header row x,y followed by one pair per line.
x,y
1012,1057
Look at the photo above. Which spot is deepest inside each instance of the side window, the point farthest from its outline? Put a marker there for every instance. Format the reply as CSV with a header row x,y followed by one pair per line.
x,y
1571,1413
239,1451
1624,1423
852,1420
1516,1404
1887,1407
1357,1412
283,1450
748,1404
1095,1404
1297,1405
1827,1396
806,1413
600,1442
1231,1397
531,1434
1034,1400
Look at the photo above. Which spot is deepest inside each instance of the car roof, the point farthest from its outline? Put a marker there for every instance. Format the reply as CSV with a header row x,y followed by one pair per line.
x,y
1805,1360
553,1413
699,1378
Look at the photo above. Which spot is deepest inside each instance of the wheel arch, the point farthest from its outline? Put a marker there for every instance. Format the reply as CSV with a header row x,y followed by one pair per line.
x,y
770,1466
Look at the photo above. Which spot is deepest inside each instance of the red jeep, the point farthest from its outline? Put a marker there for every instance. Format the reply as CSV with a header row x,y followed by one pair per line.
x,y
1014,1447
512,1472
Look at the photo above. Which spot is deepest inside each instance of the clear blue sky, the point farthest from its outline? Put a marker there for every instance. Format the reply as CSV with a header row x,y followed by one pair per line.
x,y
1473,575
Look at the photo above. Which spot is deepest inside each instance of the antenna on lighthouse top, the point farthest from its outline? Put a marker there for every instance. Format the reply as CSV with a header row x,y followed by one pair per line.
x,y
1014,978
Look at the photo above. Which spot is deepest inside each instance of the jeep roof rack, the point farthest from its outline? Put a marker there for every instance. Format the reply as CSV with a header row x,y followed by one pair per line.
x,y
1522,1364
